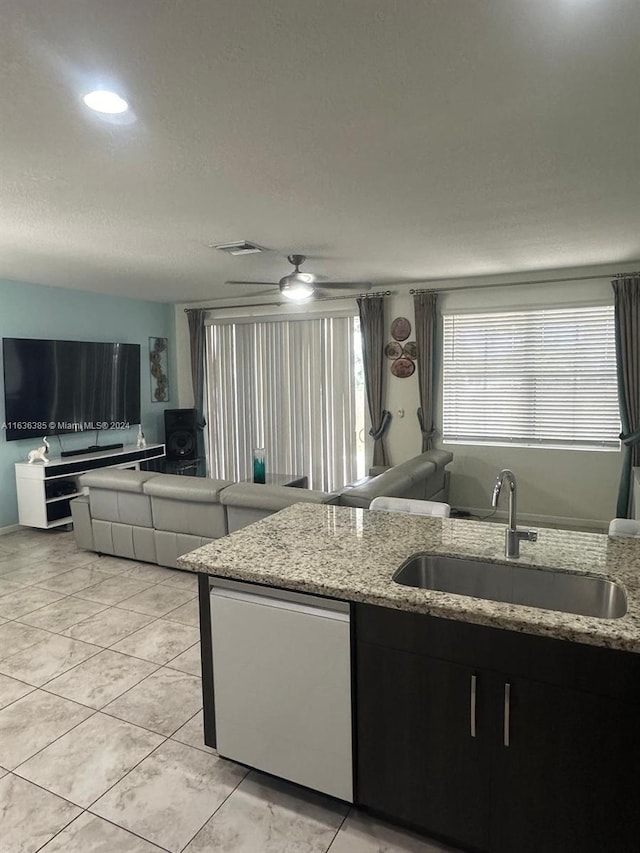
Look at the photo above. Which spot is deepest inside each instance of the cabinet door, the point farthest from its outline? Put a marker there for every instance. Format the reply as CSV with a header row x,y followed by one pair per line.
x,y
417,759
566,782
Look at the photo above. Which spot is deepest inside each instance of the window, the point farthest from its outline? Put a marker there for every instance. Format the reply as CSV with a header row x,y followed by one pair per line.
x,y
294,387
538,377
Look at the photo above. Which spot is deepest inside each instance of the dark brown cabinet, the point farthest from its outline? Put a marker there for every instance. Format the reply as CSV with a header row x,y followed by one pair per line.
x,y
496,741
417,758
565,782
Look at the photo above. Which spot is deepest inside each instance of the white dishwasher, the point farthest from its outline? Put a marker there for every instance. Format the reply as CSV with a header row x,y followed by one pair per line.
x,y
282,684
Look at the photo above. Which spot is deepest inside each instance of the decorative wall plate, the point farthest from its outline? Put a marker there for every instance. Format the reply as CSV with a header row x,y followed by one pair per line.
x,y
410,350
400,329
403,368
393,350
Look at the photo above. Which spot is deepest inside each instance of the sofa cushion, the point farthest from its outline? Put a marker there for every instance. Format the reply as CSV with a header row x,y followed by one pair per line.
x,y
247,503
206,518
102,538
116,496
188,505
194,489
435,483
242,516
170,546
116,478
270,498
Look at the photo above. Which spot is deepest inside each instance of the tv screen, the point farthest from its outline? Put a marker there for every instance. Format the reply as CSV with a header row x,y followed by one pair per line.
x,y
54,387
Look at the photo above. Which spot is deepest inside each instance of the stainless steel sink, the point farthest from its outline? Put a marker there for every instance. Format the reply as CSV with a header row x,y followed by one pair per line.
x,y
550,589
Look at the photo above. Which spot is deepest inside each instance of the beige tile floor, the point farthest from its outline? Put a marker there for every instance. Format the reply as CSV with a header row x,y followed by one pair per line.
x,y
101,746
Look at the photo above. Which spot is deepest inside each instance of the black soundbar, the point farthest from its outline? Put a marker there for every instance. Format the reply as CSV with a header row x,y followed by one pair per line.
x,y
91,449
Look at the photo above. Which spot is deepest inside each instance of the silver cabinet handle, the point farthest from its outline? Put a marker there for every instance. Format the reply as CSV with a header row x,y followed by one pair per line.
x,y
474,687
507,713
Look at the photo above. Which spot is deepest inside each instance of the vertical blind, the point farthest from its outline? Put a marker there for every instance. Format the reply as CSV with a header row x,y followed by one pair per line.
x,y
537,377
288,386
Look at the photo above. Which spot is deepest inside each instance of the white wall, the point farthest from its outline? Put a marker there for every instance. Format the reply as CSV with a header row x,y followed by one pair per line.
x,y
404,438
575,487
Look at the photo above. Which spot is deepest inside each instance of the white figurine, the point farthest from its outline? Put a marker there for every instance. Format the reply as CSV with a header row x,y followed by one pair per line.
x,y
40,453
142,441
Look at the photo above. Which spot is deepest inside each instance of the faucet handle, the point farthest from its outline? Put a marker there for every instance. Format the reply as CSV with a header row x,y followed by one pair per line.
x,y
513,538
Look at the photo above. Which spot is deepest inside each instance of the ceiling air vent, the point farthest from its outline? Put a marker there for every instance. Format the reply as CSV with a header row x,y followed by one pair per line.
x,y
240,247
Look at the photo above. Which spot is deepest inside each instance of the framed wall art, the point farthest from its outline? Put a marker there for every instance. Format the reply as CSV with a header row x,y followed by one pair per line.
x,y
159,368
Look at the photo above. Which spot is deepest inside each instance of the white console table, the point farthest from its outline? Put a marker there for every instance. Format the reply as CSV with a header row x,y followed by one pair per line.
x,y
43,499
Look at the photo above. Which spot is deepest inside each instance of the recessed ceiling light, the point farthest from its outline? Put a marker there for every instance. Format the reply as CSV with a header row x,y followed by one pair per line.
x,y
103,101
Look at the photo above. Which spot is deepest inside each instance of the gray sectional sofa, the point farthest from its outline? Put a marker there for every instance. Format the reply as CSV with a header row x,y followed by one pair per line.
x,y
155,518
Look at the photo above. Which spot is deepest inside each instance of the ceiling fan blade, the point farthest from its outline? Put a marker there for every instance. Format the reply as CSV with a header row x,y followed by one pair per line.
x,y
345,285
267,283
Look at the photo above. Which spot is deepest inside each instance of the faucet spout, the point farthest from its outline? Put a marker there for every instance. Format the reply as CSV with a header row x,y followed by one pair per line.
x,y
510,477
512,534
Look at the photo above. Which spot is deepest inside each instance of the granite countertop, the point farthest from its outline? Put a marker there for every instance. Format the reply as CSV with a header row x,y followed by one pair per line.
x,y
351,554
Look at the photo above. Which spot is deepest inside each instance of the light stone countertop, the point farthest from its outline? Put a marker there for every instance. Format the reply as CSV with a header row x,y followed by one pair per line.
x,y
351,554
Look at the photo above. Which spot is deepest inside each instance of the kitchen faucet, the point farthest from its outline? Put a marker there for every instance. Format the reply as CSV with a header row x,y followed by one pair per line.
x,y
512,535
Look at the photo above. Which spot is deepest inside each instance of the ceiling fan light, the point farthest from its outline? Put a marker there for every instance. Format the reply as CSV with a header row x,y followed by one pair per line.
x,y
297,291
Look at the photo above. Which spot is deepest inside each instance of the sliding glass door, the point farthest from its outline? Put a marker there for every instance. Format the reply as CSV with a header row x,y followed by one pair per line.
x,y
294,387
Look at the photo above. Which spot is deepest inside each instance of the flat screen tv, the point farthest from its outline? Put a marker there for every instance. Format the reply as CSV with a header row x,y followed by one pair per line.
x,y
55,387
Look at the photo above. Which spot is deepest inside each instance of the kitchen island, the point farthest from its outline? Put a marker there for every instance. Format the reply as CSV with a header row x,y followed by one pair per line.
x,y
351,555
496,726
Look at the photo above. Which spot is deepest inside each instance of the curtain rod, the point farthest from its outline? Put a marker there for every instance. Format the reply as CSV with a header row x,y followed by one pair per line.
x,y
280,304
519,283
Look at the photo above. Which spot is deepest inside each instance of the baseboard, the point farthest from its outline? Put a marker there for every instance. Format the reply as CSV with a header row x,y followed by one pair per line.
x,y
11,528
590,525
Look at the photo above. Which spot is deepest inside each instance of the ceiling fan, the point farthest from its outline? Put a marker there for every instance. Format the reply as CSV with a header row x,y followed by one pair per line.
x,y
300,286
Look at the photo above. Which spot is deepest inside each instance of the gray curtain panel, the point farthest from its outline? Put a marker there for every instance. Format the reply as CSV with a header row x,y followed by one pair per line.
x,y
196,317
372,330
425,306
627,324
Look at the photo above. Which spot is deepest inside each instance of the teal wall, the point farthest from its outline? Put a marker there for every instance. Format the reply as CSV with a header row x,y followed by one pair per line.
x,y
33,311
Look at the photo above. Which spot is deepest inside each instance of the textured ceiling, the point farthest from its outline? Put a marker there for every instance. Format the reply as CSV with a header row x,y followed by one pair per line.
x,y
399,140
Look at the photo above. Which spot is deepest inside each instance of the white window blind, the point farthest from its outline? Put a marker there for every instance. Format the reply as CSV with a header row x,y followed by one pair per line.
x,y
291,387
537,377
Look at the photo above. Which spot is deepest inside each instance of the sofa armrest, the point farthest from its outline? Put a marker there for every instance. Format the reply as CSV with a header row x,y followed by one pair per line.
x,y
418,478
391,484
81,515
440,458
378,469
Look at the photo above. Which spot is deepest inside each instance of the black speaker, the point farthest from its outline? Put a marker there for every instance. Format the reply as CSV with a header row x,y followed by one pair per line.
x,y
180,434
